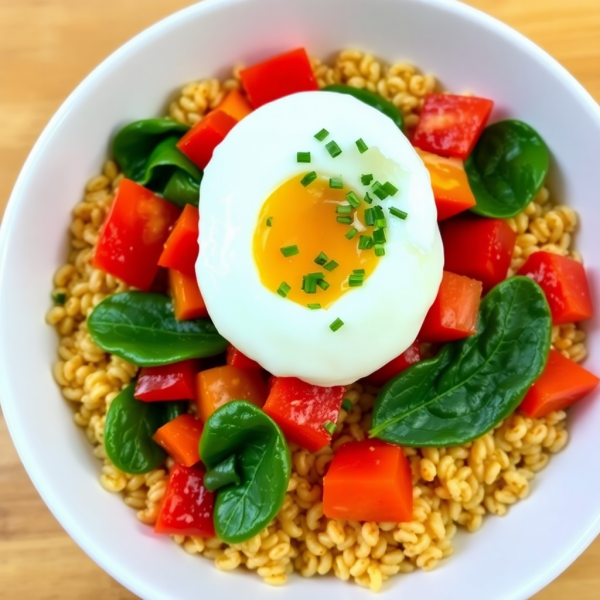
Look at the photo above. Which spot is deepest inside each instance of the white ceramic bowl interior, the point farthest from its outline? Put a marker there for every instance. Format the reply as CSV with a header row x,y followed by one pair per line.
x,y
511,558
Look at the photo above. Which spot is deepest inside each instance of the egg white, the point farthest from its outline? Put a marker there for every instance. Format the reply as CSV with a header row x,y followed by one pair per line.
x,y
381,318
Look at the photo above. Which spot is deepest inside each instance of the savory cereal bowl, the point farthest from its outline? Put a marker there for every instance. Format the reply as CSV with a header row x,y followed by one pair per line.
x,y
512,557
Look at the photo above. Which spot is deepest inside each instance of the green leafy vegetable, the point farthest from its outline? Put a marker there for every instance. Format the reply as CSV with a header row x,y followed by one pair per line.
x,y
130,425
222,475
141,328
146,151
263,463
471,385
372,99
507,168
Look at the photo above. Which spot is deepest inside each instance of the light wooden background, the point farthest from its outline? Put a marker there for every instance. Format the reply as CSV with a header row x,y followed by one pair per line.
x,y
46,48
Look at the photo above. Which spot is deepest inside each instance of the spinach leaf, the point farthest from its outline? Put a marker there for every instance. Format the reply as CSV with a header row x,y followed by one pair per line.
x,y
130,425
141,328
507,168
146,151
471,385
223,474
263,464
372,99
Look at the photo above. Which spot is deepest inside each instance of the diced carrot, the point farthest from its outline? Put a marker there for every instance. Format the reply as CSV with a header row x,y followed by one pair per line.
x,y
562,383
235,105
220,385
236,359
187,299
181,438
368,481
181,248
453,315
409,357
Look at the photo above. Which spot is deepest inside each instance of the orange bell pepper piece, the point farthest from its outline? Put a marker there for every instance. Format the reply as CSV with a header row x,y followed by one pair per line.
x,y
181,438
235,105
368,481
187,299
181,248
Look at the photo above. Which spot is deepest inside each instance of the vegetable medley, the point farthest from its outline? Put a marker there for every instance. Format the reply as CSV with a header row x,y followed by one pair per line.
x,y
230,427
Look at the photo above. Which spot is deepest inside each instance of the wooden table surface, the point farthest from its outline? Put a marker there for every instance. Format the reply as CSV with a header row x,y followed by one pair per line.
x,y
46,48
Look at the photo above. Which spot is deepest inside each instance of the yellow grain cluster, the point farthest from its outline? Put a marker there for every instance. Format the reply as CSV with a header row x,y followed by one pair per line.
x,y
453,487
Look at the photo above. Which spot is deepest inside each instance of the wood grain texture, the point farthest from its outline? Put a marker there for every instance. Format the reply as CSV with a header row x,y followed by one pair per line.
x,y
46,48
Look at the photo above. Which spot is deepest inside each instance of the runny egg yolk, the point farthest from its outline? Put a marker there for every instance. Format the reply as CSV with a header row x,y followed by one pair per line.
x,y
306,217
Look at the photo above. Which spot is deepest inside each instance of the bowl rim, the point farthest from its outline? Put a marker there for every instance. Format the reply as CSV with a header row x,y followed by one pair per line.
x,y
44,485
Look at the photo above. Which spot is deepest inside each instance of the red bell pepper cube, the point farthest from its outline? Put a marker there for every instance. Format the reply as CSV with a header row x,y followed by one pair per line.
x,y
181,439
562,383
235,105
187,506
409,357
199,143
181,248
188,302
478,248
451,125
132,237
564,283
368,481
236,359
279,76
305,413
449,183
176,381
453,315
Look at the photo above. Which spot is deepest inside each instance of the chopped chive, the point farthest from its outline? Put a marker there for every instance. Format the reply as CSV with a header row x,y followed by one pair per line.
x,y
379,191
336,183
390,188
303,157
329,427
322,134
353,199
368,199
366,179
381,223
342,209
378,212
365,242
59,298
308,178
369,217
379,250
288,251
355,280
398,213
336,325
309,285
351,233
331,265
379,236
269,221
322,284
333,149
358,271
347,405
321,259
345,220
314,306
362,147
283,289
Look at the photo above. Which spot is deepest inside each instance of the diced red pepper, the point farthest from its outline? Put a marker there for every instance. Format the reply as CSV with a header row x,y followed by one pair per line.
x,y
187,506
451,125
368,481
236,359
132,237
181,439
220,385
181,248
303,411
279,76
450,184
478,248
199,143
235,105
564,283
562,383
187,299
453,315
409,357
176,381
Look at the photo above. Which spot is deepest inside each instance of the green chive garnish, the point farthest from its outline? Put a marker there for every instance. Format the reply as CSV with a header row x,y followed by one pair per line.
x,y
351,233
321,259
344,220
355,280
303,157
359,271
353,199
379,236
370,217
381,223
379,191
322,134
336,325
310,281
314,306
308,178
59,298
336,183
365,242
379,250
362,147
368,199
331,265
333,149
288,251
269,221
322,284
347,405
366,179
398,213
328,426
283,289
390,188
342,209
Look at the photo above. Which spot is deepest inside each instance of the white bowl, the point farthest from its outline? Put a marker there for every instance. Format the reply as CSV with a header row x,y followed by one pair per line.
x,y
510,558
